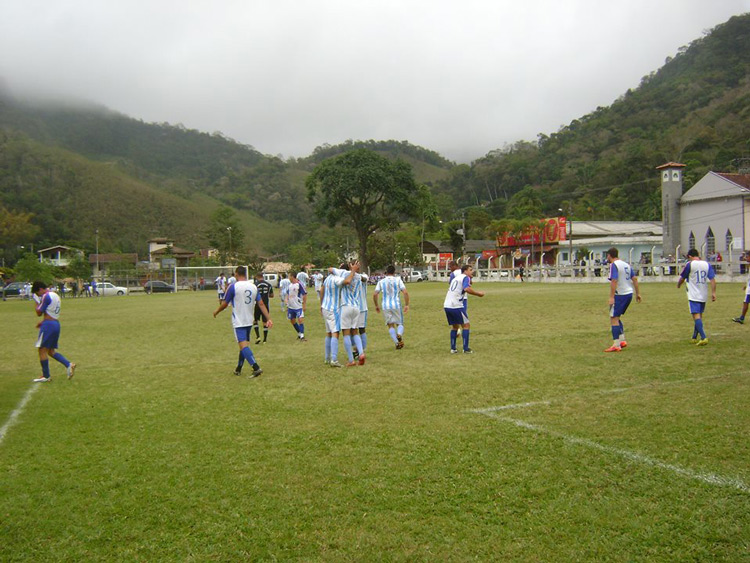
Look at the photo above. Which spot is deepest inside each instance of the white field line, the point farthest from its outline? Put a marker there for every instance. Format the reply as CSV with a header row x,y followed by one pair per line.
x,y
17,412
709,478
548,402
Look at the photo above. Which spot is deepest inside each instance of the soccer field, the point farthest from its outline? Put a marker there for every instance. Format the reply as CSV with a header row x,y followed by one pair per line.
x,y
539,447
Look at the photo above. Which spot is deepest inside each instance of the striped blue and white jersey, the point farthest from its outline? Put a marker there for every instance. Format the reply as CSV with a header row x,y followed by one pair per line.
x,y
363,294
697,274
350,292
332,292
242,296
390,287
622,272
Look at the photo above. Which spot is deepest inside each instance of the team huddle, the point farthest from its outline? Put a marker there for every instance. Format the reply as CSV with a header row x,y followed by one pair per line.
x,y
344,308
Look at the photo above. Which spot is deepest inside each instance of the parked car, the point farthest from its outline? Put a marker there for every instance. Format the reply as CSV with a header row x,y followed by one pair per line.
x,y
157,286
273,279
13,289
106,289
416,277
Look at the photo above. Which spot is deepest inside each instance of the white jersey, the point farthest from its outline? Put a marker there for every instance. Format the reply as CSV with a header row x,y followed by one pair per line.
x,y
747,287
284,285
318,280
697,273
303,278
454,299
221,284
622,272
242,296
231,280
50,305
332,292
390,287
454,273
294,295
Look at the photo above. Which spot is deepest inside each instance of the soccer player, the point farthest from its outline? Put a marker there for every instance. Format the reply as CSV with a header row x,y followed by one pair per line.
x,y
622,283
363,310
330,310
698,274
391,287
303,278
283,289
243,296
454,307
350,316
318,281
221,286
49,330
265,290
741,318
296,302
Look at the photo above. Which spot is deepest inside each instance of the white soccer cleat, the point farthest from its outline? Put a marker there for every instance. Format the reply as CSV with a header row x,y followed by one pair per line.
x,y
41,380
71,370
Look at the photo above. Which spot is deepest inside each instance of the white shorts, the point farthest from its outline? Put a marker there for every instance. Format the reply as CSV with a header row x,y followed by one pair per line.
x,y
331,320
362,319
349,317
393,316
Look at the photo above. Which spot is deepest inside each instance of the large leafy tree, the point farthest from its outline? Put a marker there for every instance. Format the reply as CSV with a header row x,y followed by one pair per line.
x,y
365,190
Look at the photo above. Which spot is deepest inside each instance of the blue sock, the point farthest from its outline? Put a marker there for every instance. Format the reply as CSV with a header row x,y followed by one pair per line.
x,y
358,343
240,360
454,337
301,328
62,359
363,336
622,331
348,347
334,349
248,355
392,332
699,328
615,333
296,327
327,356
45,368
465,336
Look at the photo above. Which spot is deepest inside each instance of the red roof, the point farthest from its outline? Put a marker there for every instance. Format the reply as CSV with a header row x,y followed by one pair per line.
x,y
739,179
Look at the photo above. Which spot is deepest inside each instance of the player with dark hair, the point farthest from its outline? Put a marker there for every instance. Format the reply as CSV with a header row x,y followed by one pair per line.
x,y
296,303
49,330
265,290
242,296
623,282
454,307
391,287
698,274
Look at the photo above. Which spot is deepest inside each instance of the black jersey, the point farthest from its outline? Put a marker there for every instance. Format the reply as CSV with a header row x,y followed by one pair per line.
x,y
265,290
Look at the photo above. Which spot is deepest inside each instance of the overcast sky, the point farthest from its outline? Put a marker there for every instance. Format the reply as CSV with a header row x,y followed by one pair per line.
x,y
461,77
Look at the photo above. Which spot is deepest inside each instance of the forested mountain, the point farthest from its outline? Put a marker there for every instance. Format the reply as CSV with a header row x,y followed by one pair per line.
x,y
77,168
695,110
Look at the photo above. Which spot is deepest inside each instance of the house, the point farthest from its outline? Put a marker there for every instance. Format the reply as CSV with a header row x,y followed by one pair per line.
x,y
163,253
636,241
58,255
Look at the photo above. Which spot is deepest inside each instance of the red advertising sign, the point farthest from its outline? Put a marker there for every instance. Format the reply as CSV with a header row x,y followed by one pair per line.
x,y
549,230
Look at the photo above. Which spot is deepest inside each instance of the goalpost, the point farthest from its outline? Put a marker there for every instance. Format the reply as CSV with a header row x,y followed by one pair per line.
x,y
200,278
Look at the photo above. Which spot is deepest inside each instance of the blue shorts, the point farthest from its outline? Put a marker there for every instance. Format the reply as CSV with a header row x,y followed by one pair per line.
x,y
697,307
456,316
747,298
49,335
622,302
243,333
293,314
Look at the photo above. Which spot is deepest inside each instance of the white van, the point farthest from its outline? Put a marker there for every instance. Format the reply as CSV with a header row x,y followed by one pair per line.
x,y
273,279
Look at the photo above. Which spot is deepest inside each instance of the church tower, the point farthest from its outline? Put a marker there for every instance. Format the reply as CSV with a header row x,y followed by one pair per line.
x,y
671,192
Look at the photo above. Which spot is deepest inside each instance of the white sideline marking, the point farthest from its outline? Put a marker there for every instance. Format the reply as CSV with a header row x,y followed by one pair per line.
x,y
548,402
710,478
16,413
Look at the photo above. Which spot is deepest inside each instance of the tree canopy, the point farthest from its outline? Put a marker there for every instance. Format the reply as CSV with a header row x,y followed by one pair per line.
x,y
365,190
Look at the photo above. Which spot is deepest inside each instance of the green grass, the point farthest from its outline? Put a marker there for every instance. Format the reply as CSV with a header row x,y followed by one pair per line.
x,y
156,452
